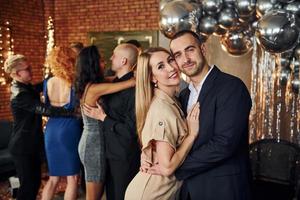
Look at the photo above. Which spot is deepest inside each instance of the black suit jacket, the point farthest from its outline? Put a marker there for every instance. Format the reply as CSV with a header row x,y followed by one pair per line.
x,y
217,166
27,111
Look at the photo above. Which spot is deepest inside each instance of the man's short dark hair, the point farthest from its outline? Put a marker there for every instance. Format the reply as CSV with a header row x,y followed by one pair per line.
x,y
135,43
181,33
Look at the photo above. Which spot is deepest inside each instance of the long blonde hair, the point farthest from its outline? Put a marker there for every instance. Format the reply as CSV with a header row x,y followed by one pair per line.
x,y
144,87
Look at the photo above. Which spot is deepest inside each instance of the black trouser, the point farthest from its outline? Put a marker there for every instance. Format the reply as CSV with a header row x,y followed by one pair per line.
x,y
28,169
119,174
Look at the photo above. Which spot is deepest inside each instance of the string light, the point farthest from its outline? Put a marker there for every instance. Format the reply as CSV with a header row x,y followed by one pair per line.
x,y
6,49
50,44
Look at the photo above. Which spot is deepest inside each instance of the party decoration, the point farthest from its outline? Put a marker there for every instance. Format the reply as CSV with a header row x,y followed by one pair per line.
x,y
176,16
50,44
284,75
219,31
229,3
235,42
6,49
296,85
212,6
227,18
283,61
162,3
208,25
245,8
294,8
263,6
285,1
277,32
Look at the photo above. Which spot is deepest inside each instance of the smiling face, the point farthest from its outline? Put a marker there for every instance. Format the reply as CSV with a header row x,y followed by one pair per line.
x,y
165,72
188,55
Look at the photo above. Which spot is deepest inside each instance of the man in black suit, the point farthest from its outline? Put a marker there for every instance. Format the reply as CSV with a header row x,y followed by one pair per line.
x,y
119,125
217,167
27,139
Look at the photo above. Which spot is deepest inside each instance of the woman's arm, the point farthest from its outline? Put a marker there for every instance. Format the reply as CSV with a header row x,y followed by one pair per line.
x,y
100,89
109,78
168,159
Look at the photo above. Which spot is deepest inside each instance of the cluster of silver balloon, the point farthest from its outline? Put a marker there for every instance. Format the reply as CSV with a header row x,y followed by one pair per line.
x,y
272,29
273,22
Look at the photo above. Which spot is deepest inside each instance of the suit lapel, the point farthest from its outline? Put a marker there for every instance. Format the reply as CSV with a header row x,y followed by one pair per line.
x,y
184,98
208,83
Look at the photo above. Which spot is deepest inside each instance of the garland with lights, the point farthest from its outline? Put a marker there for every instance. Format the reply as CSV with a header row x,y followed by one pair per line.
x,y
6,49
50,44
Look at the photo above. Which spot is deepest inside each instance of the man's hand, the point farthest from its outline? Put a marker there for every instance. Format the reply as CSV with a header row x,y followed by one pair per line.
x,y
92,112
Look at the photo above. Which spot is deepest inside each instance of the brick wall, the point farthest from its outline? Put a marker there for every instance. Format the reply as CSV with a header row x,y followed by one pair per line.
x,y
73,19
27,22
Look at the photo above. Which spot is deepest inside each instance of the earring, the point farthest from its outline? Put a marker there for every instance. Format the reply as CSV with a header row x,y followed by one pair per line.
x,y
155,85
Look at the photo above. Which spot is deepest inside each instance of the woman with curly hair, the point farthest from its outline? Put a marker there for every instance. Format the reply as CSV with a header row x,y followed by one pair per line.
x,y
62,134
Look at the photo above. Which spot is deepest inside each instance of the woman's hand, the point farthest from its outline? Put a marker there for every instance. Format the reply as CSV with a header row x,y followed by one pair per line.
x,y
132,81
92,112
145,165
193,120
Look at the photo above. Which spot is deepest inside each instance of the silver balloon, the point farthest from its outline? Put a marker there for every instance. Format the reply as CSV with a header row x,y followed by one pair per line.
x,y
229,3
263,6
276,31
249,30
162,3
284,75
212,6
227,18
294,7
220,31
254,25
176,16
208,25
245,8
235,42
297,52
248,19
285,1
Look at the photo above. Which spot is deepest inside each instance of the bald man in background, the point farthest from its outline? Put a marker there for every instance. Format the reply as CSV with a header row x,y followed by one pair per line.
x,y
119,126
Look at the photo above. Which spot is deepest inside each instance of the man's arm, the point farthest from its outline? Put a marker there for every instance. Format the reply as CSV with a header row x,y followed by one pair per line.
x,y
231,125
125,129
39,87
25,101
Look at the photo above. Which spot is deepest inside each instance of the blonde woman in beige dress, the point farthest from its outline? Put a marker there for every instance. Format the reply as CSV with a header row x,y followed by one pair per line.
x,y
165,134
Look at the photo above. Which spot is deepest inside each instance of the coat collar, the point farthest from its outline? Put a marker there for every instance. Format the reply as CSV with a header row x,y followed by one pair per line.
x,y
207,84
